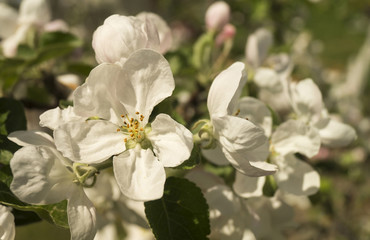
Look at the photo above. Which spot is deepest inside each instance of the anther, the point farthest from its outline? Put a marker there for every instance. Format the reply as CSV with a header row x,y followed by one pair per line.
x,y
125,140
118,129
137,112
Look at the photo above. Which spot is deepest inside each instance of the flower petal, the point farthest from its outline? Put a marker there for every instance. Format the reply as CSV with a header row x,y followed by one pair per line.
x,y
8,20
125,35
164,32
268,79
295,136
81,216
35,12
7,225
251,163
237,134
296,177
90,141
226,89
307,100
247,187
32,137
257,47
55,117
172,142
215,156
337,134
96,97
151,81
139,174
39,175
256,112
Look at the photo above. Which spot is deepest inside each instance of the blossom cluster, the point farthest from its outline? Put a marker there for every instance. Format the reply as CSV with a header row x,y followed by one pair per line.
x,y
109,151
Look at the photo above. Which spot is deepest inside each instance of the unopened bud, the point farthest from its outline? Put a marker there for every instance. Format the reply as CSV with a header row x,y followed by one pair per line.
x,y
217,15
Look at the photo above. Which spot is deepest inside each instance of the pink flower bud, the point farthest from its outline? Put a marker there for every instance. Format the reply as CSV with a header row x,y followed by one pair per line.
x,y
217,15
228,32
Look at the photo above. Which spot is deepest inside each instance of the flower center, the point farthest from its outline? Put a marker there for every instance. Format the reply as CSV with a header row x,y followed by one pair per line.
x,y
135,131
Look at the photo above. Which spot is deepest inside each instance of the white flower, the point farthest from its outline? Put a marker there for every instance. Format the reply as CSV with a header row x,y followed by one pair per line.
x,y
32,13
125,35
43,176
118,101
217,15
239,141
308,104
7,226
293,136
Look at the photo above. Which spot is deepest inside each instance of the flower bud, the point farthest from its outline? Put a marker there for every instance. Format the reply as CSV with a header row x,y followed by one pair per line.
x,y
217,15
120,36
228,32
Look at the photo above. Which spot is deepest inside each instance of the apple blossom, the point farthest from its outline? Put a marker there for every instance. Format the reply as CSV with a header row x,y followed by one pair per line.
x,y
308,104
125,35
293,136
110,117
7,226
41,175
234,139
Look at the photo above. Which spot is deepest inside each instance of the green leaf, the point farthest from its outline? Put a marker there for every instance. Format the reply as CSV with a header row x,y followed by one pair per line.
x,y
82,69
12,117
182,212
54,213
11,69
54,45
194,159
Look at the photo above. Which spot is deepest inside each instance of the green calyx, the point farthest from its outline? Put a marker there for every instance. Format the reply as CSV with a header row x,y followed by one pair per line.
x,y
203,134
85,174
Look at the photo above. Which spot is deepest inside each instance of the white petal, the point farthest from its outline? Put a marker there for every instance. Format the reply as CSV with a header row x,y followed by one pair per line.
x,y
256,112
251,163
90,141
337,134
8,20
257,47
237,134
203,179
32,137
7,225
81,216
125,36
215,156
295,136
151,81
139,174
39,175
55,117
296,177
172,142
96,97
34,12
307,99
226,89
10,44
268,79
164,32
247,187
